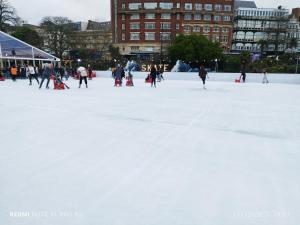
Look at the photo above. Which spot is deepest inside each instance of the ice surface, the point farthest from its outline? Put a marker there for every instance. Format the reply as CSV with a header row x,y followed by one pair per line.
x,y
175,155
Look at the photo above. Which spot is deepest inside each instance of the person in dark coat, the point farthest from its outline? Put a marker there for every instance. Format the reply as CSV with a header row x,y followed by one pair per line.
x,y
48,71
243,76
203,75
153,74
90,72
119,74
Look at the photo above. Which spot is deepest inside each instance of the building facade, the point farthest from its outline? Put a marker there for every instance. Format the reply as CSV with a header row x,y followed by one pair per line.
x,y
257,28
145,27
96,36
293,32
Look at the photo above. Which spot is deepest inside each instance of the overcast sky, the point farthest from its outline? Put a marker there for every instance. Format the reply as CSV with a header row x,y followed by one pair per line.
x,y
82,10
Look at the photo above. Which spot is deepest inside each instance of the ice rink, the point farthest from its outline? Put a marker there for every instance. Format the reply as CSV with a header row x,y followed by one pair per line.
x,y
175,155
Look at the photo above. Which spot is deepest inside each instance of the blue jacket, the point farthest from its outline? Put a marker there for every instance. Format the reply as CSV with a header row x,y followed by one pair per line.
x,y
120,73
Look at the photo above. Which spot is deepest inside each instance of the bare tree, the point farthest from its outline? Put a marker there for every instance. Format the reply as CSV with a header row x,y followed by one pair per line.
x,y
8,15
58,31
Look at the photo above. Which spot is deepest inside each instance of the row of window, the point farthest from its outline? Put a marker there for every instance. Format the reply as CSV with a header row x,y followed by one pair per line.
x,y
170,5
270,47
187,16
151,36
264,13
167,26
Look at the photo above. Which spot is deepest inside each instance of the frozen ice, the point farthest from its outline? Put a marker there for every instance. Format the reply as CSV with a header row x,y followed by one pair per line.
x,y
175,155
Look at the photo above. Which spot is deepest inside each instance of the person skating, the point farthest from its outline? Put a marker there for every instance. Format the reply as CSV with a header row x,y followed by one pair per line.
x,y
160,74
129,79
61,72
153,74
90,72
243,76
265,78
83,73
13,73
203,75
31,73
47,72
119,75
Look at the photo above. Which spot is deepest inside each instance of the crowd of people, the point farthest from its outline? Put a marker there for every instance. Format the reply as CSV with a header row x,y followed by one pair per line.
x,y
59,73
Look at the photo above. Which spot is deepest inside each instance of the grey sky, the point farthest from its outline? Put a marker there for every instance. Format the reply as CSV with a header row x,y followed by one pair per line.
x,y
34,10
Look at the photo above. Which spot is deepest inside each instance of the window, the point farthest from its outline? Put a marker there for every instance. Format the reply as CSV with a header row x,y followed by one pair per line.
x,y
218,7
178,5
224,39
206,29
227,8
177,26
149,16
187,16
188,6
198,6
217,18
186,28
149,36
123,6
165,26
216,29
135,16
134,6
134,36
166,5
150,26
197,16
123,26
207,17
166,16
165,36
134,26
123,16
226,18
123,37
208,7
197,28
150,5
178,16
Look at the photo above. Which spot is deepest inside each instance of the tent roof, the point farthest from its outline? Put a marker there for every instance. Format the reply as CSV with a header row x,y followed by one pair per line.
x,y
13,48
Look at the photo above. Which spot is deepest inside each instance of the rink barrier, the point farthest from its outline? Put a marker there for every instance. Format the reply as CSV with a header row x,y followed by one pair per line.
x,y
223,77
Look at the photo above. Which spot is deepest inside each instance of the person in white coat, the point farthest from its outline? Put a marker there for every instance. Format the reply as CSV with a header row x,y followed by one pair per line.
x,y
31,73
265,78
83,73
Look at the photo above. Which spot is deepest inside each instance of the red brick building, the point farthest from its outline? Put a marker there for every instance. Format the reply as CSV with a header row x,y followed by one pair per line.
x,y
147,26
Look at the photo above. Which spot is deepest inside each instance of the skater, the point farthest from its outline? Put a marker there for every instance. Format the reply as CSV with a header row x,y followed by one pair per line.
x,y
243,76
265,79
129,79
160,74
47,72
153,75
13,73
31,73
203,75
119,75
61,72
90,71
83,73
